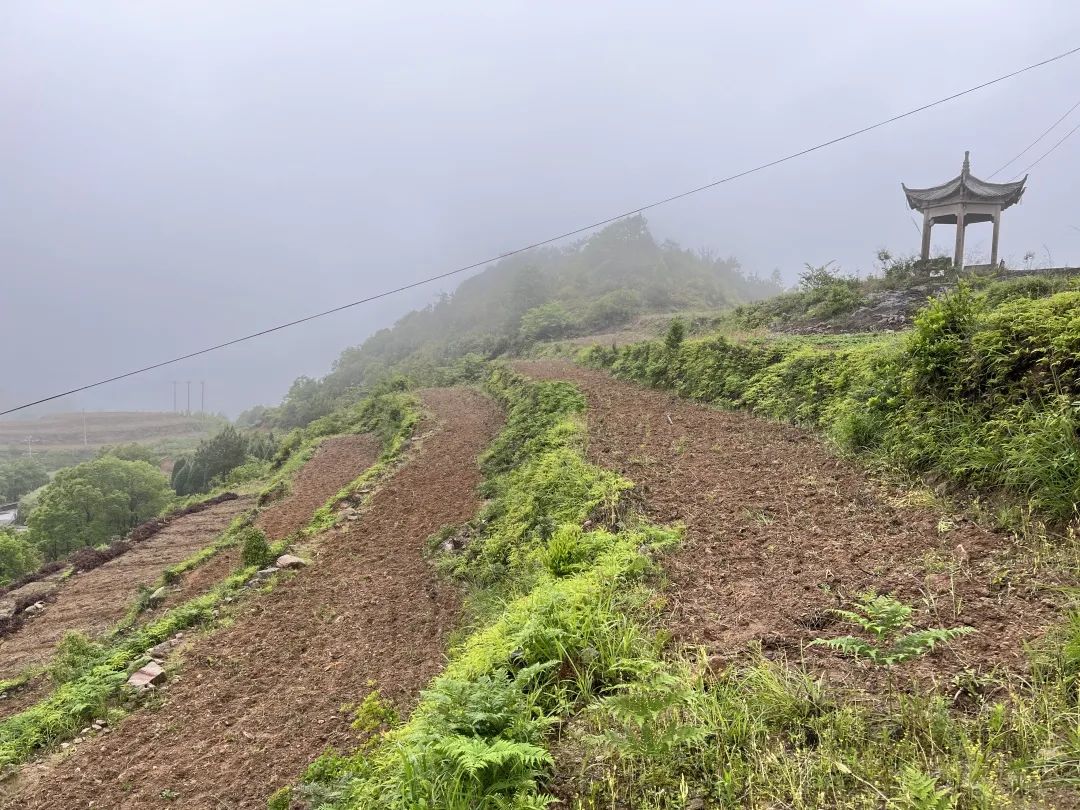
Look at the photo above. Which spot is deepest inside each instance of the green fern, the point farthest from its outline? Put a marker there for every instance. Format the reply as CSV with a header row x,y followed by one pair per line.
x,y
919,791
648,718
886,619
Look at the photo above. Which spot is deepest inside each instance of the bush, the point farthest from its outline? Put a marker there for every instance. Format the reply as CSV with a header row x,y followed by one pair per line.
x,y
17,557
255,550
612,309
545,322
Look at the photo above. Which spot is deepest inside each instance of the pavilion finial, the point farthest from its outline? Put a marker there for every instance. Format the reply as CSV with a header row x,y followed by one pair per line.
x,y
967,163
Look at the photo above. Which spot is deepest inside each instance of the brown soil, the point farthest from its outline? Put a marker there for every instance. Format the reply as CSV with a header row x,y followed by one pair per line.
x,y
257,701
338,461
93,601
778,530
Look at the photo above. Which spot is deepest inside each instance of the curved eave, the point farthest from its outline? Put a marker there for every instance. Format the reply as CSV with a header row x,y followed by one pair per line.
x,y
965,189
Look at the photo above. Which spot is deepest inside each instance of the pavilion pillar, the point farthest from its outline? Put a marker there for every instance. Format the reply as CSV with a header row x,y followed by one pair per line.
x,y
927,224
994,242
958,255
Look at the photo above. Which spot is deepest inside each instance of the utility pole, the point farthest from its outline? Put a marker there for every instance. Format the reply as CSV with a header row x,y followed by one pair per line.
x,y
189,397
84,441
202,397
174,396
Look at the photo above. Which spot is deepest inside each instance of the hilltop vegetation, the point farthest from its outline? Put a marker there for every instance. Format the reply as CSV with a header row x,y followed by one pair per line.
x,y
599,283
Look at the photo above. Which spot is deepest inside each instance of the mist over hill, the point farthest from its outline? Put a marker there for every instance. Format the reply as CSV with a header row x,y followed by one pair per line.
x,y
593,285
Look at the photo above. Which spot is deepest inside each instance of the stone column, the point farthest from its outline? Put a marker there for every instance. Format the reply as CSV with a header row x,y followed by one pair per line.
x,y
994,243
958,256
927,224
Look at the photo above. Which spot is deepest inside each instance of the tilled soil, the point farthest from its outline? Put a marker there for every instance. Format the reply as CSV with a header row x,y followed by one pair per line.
x,y
338,461
94,600
258,700
778,531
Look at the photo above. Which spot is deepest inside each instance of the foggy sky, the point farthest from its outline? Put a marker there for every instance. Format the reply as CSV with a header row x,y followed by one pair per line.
x,y
174,174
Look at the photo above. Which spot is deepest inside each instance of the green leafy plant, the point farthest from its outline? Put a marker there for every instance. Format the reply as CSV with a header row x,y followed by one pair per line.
x,y
255,550
648,717
374,714
919,791
892,637
676,333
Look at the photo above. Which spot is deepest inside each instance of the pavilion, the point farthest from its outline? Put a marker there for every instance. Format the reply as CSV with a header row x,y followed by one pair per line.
x,y
962,201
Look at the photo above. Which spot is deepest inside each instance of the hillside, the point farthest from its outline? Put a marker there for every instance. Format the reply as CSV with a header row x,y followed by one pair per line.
x,y
595,285
683,558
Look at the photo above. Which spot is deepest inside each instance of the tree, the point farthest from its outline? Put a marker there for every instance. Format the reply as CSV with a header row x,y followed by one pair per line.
x,y
19,476
17,557
215,457
545,322
676,333
133,451
89,503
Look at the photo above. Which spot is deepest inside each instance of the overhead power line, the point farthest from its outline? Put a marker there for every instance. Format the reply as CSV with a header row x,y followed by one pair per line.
x,y
549,240
1031,145
1048,151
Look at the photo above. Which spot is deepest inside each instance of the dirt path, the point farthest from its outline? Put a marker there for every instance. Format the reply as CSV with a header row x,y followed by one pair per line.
x,y
778,530
256,702
94,600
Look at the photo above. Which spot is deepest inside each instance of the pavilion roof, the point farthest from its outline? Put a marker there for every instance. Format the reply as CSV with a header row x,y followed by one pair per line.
x,y
966,187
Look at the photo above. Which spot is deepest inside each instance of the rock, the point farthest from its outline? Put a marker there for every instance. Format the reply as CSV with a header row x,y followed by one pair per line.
x,y
37,607
34,591
163,649
7,609
152,673
159,595
286,561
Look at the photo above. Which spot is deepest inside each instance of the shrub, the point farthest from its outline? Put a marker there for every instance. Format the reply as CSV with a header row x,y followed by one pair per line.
x,y
17,557
675,334
545,322
254,549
